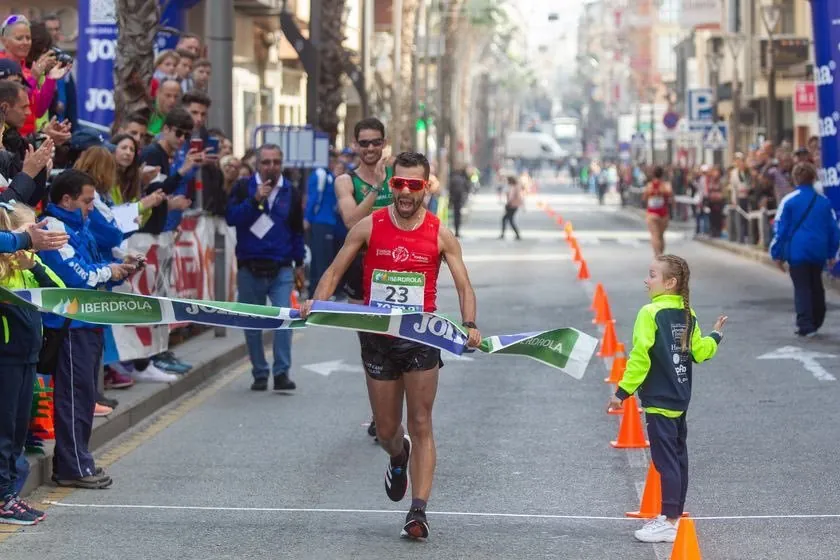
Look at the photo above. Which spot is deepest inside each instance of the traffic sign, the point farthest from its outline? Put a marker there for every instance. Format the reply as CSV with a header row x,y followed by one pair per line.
x,y
639,140
715,137
670,120
700,108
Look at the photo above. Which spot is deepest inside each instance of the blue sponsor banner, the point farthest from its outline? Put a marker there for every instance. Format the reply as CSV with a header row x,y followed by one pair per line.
x,y
205,314
97,48
826,22
432,330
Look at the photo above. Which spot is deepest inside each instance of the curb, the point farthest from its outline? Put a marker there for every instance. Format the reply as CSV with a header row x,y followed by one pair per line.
x,y
126,418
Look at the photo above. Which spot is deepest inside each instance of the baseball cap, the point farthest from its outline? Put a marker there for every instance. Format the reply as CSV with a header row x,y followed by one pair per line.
x,y
9,68
803,151
84,138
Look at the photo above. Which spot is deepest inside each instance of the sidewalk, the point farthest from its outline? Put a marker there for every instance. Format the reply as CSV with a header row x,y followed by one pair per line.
x,y
208,355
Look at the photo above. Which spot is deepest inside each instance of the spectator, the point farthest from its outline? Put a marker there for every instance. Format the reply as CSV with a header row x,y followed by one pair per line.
x,y
201,75
806,237
19,360
268,217
321,218
189,42
168,95
165,65
79,265
458,193
184,68
176,129
135,125
131,181
14,105
21,185
16,38
64,103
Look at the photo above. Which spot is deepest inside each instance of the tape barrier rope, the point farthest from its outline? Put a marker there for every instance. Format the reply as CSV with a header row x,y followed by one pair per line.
x,y
566,349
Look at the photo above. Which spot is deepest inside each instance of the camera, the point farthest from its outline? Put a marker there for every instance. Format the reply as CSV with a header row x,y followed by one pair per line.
x,y
61,56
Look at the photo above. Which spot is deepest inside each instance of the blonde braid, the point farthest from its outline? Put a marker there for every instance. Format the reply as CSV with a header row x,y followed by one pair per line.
x,y
678,268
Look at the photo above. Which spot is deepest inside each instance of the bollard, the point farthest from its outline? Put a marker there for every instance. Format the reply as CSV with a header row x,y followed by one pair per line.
x,y
733,224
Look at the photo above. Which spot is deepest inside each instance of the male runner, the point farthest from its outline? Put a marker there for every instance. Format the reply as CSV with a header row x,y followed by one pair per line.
x,y
406,239
361,191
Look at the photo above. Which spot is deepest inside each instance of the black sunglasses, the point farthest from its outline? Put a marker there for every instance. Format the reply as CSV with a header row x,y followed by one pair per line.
x,y
376,142
180,133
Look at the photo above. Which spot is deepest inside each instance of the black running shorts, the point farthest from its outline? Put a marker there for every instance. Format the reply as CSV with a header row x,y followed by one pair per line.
x,y
351,283
386,358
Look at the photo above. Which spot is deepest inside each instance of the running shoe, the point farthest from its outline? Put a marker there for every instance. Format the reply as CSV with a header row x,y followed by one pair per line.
x,y
416,526
396,478
372,428
39,515
13,513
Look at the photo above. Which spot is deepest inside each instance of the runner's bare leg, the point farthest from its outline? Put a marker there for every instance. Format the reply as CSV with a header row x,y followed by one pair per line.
x,y
386,401
420,392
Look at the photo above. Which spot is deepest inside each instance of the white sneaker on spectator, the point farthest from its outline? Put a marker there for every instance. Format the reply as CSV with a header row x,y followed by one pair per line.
x,y
153,375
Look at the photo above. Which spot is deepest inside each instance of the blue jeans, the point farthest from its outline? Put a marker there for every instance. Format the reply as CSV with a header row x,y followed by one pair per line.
x,y
279,290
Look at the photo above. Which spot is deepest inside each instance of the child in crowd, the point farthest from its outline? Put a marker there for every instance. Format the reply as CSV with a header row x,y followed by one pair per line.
x,y
166,65
21,346
666,343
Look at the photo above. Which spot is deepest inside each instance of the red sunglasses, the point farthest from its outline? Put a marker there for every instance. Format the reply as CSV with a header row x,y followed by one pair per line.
x,y
399,183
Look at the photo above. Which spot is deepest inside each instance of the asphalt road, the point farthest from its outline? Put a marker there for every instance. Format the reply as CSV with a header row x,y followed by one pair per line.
x,y
525,469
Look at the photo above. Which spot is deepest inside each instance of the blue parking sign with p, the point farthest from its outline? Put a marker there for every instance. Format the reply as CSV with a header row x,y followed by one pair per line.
x,y
700,108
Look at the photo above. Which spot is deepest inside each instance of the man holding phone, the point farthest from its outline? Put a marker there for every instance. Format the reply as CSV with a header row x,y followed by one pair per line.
x,y
268,216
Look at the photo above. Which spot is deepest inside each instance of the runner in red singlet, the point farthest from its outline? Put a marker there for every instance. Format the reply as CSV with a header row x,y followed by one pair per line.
x,y
405,246
657,197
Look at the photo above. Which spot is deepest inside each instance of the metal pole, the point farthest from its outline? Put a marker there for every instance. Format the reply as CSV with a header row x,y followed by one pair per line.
x,y
771,94
220,270
427,13
218,26
312,79
415,81
396,88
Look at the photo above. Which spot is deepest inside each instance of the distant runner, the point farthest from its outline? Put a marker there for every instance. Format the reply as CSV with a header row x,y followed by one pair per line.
x,y
405,246
657,196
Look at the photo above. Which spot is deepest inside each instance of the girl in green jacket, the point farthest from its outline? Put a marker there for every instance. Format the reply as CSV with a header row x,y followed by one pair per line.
x,y
666,343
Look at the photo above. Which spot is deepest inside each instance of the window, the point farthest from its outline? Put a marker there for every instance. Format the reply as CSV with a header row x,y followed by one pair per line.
x,y
666,57
669,11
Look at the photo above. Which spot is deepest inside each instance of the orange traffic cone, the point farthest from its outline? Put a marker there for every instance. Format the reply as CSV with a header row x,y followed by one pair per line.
x,y
603,315
608,341
540,204
651,505
686,546
617,369
568,227
295,304
559,220
630,433
576,256
583,271
550,212
599,294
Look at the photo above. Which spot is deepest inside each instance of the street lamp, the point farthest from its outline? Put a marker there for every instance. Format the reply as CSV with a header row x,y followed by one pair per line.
x,y
714,59
771,13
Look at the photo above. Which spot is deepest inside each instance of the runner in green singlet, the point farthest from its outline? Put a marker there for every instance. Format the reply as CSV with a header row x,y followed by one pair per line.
x,y
361,192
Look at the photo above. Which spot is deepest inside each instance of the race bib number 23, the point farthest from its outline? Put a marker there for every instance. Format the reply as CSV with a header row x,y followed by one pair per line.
x,y
401,290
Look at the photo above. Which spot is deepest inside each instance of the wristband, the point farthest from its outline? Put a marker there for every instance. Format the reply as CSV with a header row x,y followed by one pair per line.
x,y
469,325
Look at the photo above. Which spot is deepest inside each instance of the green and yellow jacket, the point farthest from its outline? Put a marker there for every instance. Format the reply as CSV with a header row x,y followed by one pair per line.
x,y
21,337
657,367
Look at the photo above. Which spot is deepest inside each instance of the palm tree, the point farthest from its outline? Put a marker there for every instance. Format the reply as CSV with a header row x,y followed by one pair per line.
x,y
137,21
333,58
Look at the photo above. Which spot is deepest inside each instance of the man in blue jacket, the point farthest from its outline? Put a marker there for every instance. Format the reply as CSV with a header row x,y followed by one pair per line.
x,y
268,215
807,238
79,265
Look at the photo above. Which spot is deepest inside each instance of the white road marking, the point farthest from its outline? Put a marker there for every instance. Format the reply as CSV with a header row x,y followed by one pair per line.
x,y
443,513
807,358
328,368
516,257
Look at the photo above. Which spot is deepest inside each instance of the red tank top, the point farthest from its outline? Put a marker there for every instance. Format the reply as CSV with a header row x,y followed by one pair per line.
x,y
401,267
657,201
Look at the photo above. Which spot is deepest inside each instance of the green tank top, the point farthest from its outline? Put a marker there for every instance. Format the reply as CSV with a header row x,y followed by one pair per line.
x,y
360,188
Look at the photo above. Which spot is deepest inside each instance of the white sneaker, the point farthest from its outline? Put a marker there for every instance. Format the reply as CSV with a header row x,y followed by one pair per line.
x,y
152,374
658,529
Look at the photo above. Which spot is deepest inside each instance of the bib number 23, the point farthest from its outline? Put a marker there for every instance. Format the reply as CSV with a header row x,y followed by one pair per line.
x,y
400,290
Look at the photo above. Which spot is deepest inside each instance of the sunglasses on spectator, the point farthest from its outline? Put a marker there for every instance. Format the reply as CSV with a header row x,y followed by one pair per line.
x,y
376,143
399,183
181,133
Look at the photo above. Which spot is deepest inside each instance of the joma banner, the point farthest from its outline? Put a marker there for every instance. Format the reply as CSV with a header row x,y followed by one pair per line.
x,y
566,349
